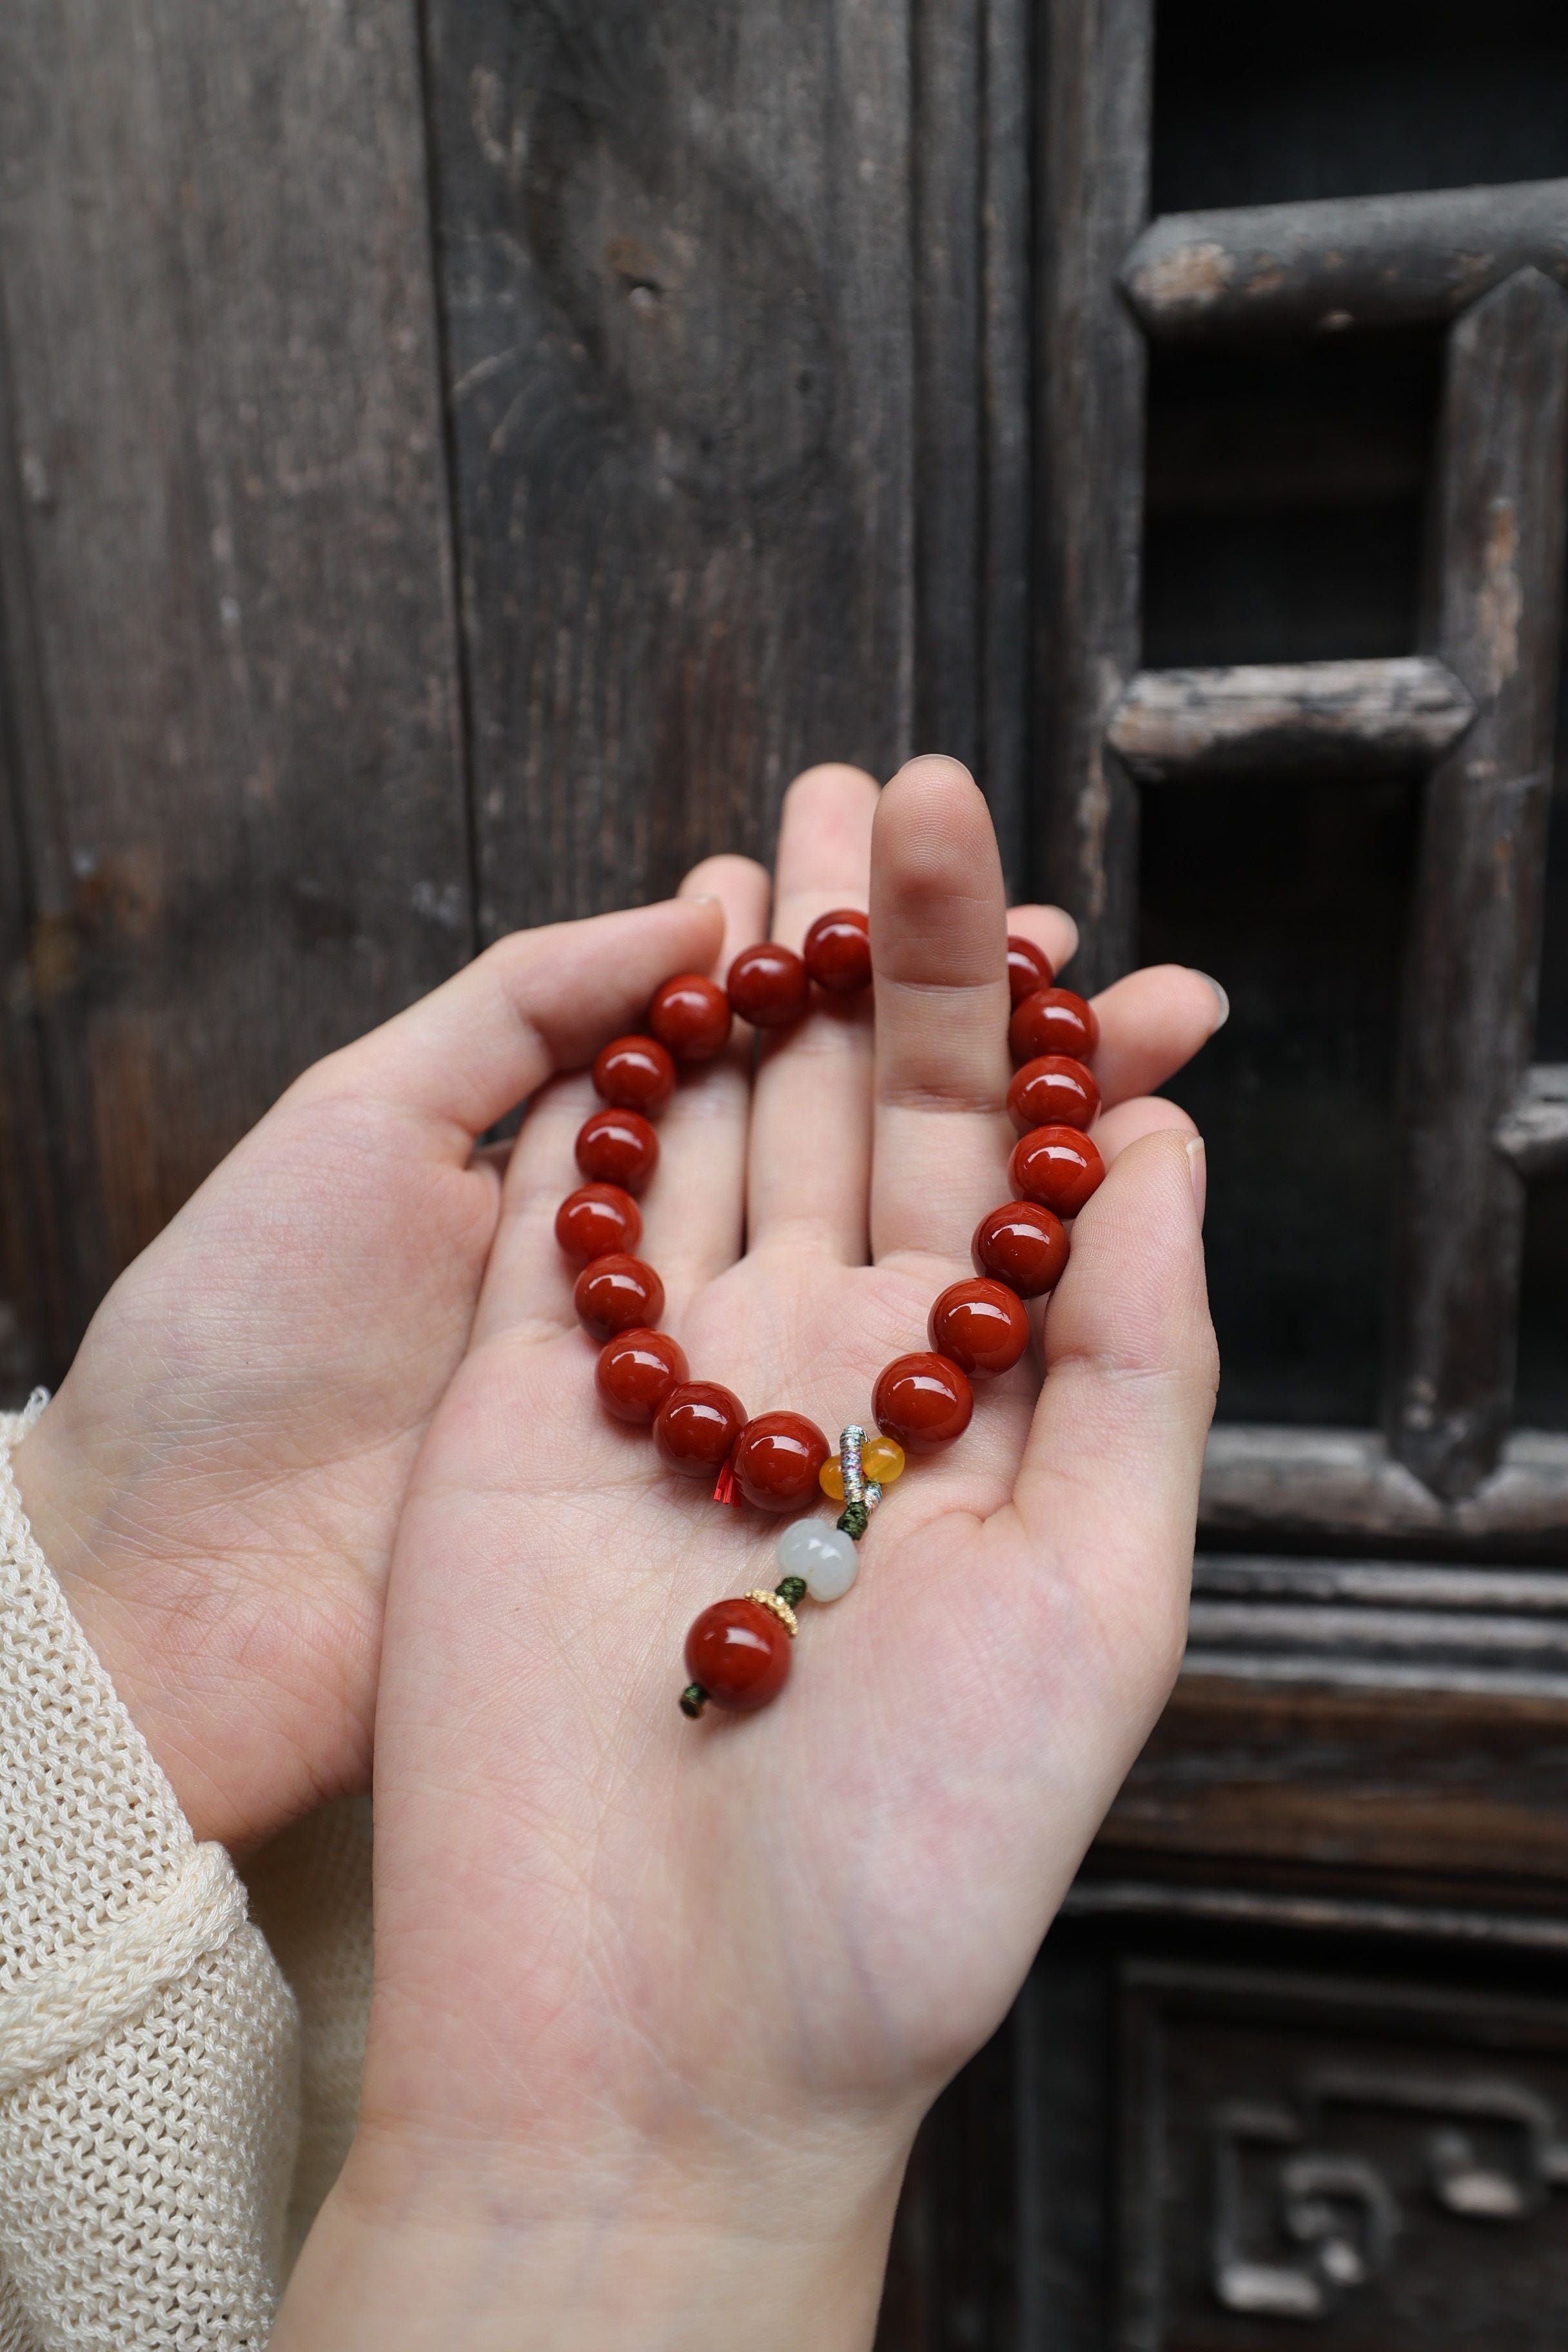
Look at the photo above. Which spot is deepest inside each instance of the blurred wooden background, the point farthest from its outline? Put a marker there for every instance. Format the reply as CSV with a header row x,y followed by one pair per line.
x,y
457,461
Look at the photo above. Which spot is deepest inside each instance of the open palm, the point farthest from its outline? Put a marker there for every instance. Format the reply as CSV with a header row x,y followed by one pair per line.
x,y
608,1938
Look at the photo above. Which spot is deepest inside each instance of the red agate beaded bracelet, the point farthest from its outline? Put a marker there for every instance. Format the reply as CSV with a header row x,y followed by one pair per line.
x,y
738,1650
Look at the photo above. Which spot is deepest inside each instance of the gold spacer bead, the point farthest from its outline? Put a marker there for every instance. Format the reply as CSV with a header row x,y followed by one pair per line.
x,y
781,1609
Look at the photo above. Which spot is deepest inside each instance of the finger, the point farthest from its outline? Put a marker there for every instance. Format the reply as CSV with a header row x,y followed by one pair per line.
x,y
1050,928
939,931
810,1159
692,1210
1130,1121
1151,1024
1129,1388
535,1003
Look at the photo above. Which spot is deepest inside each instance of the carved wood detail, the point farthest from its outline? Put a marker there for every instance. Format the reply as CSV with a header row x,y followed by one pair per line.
x,y
1322,2162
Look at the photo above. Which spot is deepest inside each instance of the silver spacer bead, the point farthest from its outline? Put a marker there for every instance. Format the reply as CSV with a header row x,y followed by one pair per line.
x,y
850,1441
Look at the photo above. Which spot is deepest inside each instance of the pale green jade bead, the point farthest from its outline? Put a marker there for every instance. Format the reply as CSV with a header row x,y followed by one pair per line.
x,y
823,1555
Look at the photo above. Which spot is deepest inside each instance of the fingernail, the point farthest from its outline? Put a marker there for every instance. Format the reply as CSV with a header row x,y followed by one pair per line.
x,y
1198,1161
1223,999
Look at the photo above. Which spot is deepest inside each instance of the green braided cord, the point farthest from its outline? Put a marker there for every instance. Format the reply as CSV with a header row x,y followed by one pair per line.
x,y
857,1518
792,1592
694,1699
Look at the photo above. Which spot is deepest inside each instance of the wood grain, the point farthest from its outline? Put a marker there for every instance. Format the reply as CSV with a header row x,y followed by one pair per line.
x,y
238,793
1465,1784
1093,178
676,261
1468,1023
970,157
1344,1486
1349,261
1355,718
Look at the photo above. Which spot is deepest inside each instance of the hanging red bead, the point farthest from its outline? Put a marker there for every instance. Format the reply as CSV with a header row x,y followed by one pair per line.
x,y
980,1325
691,1014
738,1654
922,1401
635,1074
1055,1090
618,1147
836,952
597,1219
776,1461
767,985
1053,1021
1022,1245
1027,969
1060,1167
617,1294
635,1372
697,1426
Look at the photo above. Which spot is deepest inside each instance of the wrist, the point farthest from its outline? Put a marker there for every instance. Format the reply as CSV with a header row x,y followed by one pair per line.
x,y
469,2250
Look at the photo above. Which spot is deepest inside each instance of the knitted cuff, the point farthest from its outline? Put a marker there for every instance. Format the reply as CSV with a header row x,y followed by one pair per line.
x,y
148,2046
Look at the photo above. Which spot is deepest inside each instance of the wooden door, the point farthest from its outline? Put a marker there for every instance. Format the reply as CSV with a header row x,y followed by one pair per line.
x,y
457,461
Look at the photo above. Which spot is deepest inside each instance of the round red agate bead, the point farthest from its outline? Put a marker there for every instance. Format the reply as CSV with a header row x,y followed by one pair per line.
x,y
618,1147
697,1426
777,1460
616,1293
738,1652
1057,1166
596,1220
1053,1021
838,952
691,1014
635,1372
1053,1091
767,985
1028,971
635,1074
1022,1243
980,1325
922,1401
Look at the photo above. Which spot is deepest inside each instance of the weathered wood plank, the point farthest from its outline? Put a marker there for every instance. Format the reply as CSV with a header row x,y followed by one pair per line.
x,y
970,154
1356,716
1305,1772
676,254
35,1319
243,809
1349,261
1363,1917
1469,1014
1094,73
1265,1484
1533,1131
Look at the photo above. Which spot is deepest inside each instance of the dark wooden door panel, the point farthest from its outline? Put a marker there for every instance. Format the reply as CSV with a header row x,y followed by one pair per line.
x,y
1339,2167
233,747
710,278
675,266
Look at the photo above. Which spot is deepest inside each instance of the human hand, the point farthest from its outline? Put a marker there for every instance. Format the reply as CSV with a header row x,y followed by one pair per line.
x,y
217,1483
658,2005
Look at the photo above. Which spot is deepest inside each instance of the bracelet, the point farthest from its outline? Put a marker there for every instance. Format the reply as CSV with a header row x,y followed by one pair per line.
x,y
738,1650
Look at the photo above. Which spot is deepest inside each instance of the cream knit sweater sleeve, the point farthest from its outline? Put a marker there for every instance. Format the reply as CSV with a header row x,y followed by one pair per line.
x,y
149,2042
